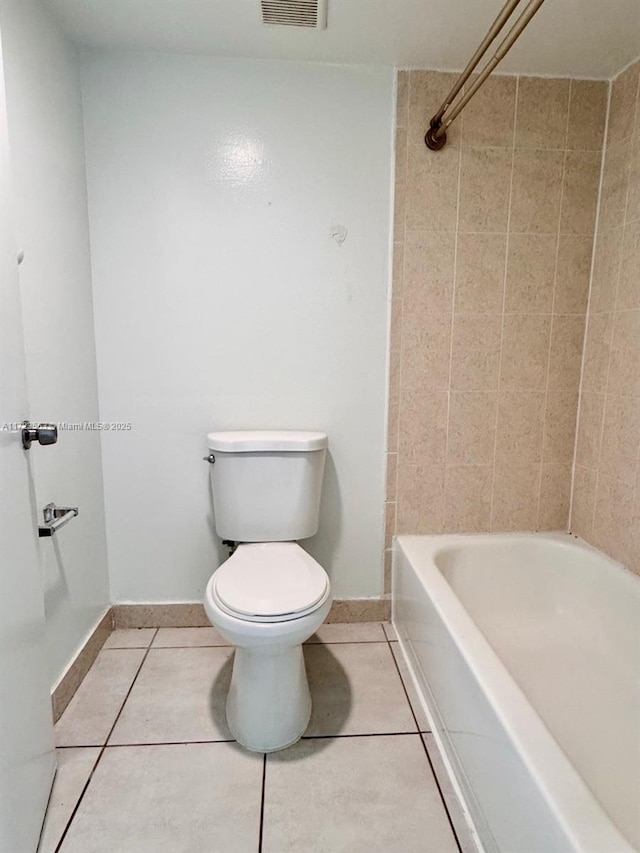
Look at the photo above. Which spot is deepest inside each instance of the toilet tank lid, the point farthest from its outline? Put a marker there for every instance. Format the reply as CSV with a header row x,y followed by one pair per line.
x,y
253,441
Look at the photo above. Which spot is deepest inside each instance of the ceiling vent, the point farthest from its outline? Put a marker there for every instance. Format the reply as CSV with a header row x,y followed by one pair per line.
x,y
295,13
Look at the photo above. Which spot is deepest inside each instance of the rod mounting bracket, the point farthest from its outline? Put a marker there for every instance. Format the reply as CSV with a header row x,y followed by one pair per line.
x,y
433,142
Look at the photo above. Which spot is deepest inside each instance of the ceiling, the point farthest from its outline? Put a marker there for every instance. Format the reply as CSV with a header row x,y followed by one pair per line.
x,y
583,38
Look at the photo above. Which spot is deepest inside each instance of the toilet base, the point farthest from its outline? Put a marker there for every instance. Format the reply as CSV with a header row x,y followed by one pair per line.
x,y
269,704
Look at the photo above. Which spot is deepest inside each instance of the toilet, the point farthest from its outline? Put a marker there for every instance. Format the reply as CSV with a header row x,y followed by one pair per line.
x,y
270,595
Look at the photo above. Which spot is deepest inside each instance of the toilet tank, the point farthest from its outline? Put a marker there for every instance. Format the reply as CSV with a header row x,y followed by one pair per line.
x,y
267,484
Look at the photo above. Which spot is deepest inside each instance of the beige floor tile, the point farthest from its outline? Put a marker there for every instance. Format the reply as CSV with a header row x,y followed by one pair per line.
x,y
179,696
355,689
454,806
188,637
74,769
355,795
130,638
412,693
92,712
349,632
190,798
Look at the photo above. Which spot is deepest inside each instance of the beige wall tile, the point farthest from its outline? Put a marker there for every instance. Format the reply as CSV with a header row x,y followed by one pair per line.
x,y
401,155
399,212
606,267
587,113
392,425
472,427
426,351
468,498
489,118
565,360
515,497
428,271
392,476
423,427
525,351
597,352
499,376
629,280
633,193
520,426
620,438
580,192
402,98
530,273
612,516
398,267
560,426
484,189
634,532
536,190
573,271
624,92
432,195
480,267
555,496
394,374
427,90
389,523
583,502
589,429
615,182
541,114
420,498
475,357
395,329
624,366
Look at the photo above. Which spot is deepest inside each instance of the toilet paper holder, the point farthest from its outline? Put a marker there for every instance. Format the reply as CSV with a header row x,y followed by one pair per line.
x,y
55,517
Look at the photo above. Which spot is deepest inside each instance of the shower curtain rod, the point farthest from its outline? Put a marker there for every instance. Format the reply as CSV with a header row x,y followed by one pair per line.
x,y
436,136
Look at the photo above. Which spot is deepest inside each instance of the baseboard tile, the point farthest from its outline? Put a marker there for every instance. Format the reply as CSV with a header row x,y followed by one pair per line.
x,y
66,687
182,615
192,615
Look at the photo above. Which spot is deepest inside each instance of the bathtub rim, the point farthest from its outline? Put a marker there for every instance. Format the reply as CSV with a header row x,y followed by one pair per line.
x,y
560,785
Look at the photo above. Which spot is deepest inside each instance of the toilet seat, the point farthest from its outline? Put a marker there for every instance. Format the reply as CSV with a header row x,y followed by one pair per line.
x,y
270,582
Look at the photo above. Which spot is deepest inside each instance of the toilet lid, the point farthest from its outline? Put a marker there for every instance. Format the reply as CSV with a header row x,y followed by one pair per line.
x,y
267,580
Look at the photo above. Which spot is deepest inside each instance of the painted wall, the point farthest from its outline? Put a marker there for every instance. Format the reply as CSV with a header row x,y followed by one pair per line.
x,y
240,239
492,255
606,491
46,137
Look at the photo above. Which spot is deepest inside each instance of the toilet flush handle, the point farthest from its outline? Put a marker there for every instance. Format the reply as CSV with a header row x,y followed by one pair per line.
x,y
210,458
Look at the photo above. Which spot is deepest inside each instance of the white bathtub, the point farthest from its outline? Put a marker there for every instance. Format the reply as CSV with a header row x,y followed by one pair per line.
x,y
526,650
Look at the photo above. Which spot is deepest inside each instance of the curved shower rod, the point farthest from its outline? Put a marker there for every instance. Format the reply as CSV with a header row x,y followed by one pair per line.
x,y
436,136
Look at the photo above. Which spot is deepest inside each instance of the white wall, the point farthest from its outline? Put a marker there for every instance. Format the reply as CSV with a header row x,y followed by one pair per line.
x,y
46,135
222,301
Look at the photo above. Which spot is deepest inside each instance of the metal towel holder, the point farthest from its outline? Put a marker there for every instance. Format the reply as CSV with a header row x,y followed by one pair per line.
x,y
55,517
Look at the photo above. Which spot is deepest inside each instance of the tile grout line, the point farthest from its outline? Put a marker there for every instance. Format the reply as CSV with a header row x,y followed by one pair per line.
x,y
426,752
494,463
553,323
264,780
588,312
103,747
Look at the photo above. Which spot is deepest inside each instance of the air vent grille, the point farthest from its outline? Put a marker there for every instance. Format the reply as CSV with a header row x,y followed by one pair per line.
x,y
295,13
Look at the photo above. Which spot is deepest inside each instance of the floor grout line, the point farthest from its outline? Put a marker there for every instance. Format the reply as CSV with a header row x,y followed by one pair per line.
x,y
426,752
442,798
264,779
104,746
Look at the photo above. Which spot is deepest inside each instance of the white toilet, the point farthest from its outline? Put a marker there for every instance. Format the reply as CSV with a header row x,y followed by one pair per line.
x,y
270,595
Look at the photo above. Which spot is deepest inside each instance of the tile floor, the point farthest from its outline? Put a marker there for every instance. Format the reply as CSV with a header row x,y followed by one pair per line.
x,y
146,763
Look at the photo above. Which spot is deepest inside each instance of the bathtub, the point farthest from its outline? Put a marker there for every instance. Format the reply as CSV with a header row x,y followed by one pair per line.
x,y
525,649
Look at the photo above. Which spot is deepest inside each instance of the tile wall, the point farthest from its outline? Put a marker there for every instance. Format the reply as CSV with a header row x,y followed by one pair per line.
x,y
606,496
492,256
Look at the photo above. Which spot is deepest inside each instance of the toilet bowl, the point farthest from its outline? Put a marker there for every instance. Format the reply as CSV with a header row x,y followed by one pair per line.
x,y
267,599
